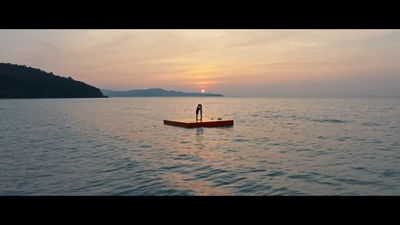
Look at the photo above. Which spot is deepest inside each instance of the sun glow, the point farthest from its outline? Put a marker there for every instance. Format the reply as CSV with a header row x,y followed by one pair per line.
x,y
202,91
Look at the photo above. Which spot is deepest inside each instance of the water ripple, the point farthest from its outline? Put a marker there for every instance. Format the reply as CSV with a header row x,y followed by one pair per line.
x,y
119,146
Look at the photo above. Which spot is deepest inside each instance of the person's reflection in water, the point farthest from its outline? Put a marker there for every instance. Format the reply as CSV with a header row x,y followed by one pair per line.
x,y
199,137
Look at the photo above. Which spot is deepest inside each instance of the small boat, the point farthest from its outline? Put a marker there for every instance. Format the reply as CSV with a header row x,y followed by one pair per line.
x,y
191,123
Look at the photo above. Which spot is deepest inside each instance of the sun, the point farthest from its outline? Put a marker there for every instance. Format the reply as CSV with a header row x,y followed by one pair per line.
x,y
202,91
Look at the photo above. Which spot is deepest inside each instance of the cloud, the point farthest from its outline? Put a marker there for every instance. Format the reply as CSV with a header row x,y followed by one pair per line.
x,y
228,59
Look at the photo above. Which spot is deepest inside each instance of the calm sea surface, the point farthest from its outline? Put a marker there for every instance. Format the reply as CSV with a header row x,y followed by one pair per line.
x,y
120,146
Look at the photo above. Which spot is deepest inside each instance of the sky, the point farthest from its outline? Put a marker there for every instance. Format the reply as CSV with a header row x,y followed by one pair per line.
x,y
277,63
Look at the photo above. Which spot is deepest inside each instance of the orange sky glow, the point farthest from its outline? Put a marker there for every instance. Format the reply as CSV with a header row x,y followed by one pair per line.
x,y
230,62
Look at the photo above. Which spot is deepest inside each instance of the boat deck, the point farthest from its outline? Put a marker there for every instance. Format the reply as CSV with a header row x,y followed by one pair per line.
x,y
192,123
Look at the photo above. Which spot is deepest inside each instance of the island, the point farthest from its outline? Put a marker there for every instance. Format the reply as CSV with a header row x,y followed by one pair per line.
x,y
21,81
156,92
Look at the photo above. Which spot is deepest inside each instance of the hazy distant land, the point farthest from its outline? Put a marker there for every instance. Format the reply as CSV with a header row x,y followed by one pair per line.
x,y
156,92
20,81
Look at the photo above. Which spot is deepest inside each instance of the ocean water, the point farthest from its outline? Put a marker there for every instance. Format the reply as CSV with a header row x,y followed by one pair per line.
x,y
278,146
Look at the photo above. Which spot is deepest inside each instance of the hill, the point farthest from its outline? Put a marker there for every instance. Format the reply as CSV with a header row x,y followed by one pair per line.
x,y
20,81
156,92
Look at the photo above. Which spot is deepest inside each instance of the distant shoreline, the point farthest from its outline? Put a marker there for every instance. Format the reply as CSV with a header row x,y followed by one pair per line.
x,y
123,97
167,97
155,92
50,98
258,97
23,82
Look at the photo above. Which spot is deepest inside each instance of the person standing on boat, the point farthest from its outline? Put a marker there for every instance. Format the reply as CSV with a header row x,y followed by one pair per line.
x,y
199,109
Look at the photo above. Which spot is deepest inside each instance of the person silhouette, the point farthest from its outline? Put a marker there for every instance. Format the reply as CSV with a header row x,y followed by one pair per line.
x,y
199,109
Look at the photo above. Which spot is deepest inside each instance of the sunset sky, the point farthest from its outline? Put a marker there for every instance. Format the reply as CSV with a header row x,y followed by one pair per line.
x,y
230,62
